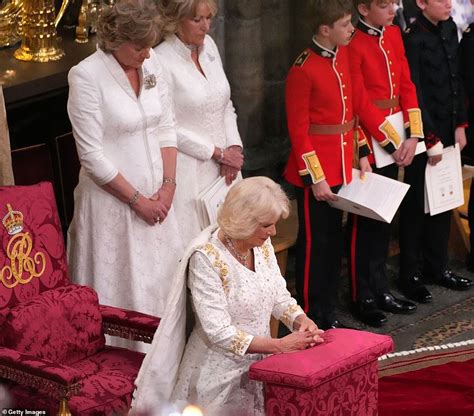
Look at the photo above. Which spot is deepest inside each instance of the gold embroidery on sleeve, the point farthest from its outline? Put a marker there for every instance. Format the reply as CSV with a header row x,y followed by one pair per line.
x,y
286,317
313,167
390,133
416,123
219,265
239,343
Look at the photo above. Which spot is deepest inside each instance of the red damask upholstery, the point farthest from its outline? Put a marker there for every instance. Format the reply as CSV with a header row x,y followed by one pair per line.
x,y
52,344
338,377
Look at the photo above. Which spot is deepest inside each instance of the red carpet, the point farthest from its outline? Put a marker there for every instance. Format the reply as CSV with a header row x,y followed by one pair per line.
x,y
428,382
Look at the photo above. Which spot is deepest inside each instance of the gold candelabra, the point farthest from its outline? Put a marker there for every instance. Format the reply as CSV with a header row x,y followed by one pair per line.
x,y
39,41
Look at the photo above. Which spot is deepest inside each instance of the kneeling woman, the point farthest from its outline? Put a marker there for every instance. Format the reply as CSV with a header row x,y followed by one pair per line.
x,y
235,287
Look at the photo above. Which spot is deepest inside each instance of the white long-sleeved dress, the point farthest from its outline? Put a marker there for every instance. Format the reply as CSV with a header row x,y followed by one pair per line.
x,y
232,304
128,262
205,118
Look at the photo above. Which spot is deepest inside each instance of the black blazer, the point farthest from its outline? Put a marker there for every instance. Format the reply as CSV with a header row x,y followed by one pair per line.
x,y
432,53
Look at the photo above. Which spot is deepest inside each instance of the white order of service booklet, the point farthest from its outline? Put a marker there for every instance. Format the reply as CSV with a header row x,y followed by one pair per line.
x,y
374,196
211,198
444,183
382,158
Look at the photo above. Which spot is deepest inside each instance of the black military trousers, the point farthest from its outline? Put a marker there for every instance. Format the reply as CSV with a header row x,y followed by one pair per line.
x,y
318,256
423,238
470,215
369,243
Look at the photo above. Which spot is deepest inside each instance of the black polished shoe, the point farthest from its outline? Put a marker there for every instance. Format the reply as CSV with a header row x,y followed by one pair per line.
x,y
389,303
367,312
453,281
334,324
415,290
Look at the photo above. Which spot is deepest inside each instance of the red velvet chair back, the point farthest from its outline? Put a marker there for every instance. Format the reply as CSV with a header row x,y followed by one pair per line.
x,y
32,251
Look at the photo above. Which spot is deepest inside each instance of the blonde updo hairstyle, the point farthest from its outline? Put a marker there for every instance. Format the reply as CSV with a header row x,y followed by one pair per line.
x,y
251,203
135,21
175,11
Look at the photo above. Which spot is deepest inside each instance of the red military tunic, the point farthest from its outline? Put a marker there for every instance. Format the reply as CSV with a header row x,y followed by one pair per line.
x,y
380,74
319,91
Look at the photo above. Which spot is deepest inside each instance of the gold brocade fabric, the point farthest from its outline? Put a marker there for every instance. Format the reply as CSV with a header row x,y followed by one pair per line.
x,y
6,172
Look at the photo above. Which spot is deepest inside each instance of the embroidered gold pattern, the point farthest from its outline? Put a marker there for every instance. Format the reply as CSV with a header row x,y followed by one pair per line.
x,y
18,251
221,266
313,167
390,133
239,343
286,317
266,252
301,59
416,123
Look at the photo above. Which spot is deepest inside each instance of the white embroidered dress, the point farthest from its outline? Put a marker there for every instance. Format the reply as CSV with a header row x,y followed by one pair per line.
x,y
127,261
232,304
205,118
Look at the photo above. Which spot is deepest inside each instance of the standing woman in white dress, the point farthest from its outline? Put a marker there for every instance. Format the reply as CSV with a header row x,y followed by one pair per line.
x,y
124,237
209,143
235,286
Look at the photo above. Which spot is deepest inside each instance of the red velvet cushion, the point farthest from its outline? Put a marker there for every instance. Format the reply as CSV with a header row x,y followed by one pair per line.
x,y
62,325
107,386
40,220
343,351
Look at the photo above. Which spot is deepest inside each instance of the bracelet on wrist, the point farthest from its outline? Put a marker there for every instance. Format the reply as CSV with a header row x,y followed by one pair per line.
x,y
134,199
170,180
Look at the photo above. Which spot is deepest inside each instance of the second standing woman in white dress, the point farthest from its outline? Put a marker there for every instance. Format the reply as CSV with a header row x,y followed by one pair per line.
x,y
209,143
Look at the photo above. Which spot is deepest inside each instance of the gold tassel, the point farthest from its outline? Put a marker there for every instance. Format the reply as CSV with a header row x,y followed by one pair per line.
x,y
64,408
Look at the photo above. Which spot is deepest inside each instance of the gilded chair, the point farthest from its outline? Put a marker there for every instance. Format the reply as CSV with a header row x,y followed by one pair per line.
x,y
53,355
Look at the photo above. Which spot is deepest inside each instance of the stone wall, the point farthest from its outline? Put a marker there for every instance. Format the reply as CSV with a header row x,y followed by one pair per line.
x,y
258,41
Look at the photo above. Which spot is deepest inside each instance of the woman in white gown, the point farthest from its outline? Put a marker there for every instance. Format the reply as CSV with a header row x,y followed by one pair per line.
x,y
124,239
235,286
209,143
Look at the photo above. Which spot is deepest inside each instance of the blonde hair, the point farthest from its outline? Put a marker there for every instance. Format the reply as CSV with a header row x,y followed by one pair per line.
x,y
175,11
251,203
135,21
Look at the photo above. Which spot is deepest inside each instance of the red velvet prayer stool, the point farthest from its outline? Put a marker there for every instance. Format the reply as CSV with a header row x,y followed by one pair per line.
x,y
53,355
336,378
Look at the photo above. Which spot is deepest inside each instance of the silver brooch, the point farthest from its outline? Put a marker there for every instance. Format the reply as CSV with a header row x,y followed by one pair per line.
x,y
149,80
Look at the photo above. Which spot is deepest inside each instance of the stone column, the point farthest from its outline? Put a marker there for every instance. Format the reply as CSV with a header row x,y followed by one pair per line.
x,y
300,28
218,30
276,40
244,66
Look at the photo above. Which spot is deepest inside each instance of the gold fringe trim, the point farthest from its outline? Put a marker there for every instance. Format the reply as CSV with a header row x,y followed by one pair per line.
x,y
126,332
51,388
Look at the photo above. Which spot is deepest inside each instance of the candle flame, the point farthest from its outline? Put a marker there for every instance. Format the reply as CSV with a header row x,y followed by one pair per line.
x,y
192,411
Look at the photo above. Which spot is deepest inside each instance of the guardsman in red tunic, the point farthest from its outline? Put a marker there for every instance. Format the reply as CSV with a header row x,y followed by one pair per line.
x,y
382,87
320,117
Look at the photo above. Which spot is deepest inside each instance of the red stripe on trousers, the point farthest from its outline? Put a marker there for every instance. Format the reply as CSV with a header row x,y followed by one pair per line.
x,y
307,260
353,261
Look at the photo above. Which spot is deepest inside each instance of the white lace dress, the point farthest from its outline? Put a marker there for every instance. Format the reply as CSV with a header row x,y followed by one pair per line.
x,y
232,304
205,118
127,261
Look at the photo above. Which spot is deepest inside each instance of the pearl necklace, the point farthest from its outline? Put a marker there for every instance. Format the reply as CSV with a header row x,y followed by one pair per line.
x,y
242,258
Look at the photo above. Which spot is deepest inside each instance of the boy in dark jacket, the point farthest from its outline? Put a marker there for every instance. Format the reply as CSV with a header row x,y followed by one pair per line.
x,y
431,45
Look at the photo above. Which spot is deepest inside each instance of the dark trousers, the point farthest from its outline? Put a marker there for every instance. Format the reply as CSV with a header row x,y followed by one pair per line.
x,y
423,238
470,216
369,243
318,256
